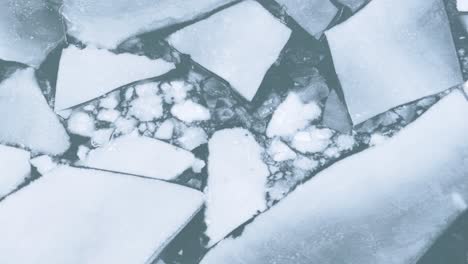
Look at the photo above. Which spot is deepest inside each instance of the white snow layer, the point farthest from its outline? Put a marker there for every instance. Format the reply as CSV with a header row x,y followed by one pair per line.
x,y
236,182
239,44
386,204
462,5
85,74
26,117
108,23
29,30
14,167
142,156
409,53
74,215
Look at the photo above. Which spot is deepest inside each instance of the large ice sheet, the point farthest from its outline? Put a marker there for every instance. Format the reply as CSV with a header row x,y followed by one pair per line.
x,y
239,44
392,52
313,15
26,118
108,23
14,168
80,216
384,205
85,74
29,30
140,156
236,182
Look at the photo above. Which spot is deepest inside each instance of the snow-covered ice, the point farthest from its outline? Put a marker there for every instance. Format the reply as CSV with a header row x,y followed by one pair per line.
x,y
26,118
239,44
386,204
147,108
409,53
313,15
73,215
354,5
29,30
142,156
335,114
462,5
81,123
236,182
43,164
14,168
312,140
165,130
279,151
192,137
189,111
85,74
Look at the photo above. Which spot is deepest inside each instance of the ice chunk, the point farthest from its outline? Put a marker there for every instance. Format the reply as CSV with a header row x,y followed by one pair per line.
x,y
147,108
292,115
14,167
107,24
232,44
384,205
43,164
81,123
236,182
140,156
85,74
409,54
165,130
75,216
335,114
189,111
312,140
29,30
26,118
175,92
192,137
313,15
462,5
279,151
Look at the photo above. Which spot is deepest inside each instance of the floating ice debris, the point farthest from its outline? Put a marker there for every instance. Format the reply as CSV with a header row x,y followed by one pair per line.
x,y
354,5
409,54
335,114
107,24
15,168
85,74
292,115
189,111
165,130
73,215
29,30
236,182
147,108
313,15
232,44
26,117
312,140
175,92
43,164
462,5
384,205
81,123
279,151
192,137
140,156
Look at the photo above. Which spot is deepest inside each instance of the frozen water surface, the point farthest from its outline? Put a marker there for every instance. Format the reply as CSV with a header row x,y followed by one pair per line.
x,y
383,205
14,167
73,215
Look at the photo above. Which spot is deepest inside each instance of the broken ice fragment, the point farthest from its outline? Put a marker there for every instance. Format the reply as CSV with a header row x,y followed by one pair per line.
x,y
313,15
75,216
107,24
386,204
14,167
165,130
279,151
232,44
409,53
236,182
85,74
462,5
335,114
312,140
189,111
146,108
192,137
43,164
29,30
140,156
81,123
26,118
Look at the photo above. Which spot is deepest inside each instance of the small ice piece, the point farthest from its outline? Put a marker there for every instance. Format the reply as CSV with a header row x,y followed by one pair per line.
x,y
125,125
146,108
279,151
377,139
78,81
345,142
101,137
26,118
108,115
146,89
176,91
192,138
165,130
82,152
43,164
462,5
313,15
354,5
15,168
29,30
75,216
312,140
107,24
81,123
335,114
237,180
409,53
386,204
232,44
459,201
111,101
305,163
189,111
292,115
142,156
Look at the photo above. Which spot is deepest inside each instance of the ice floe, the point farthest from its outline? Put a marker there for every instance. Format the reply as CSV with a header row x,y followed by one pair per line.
x,y
189,111
14,167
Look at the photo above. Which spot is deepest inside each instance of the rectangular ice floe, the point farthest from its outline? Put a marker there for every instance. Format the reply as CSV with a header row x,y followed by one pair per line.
x,y
386,204
85,74
108,23
26,118
29,30
142,156
14,168
392,52
80,216
239,44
